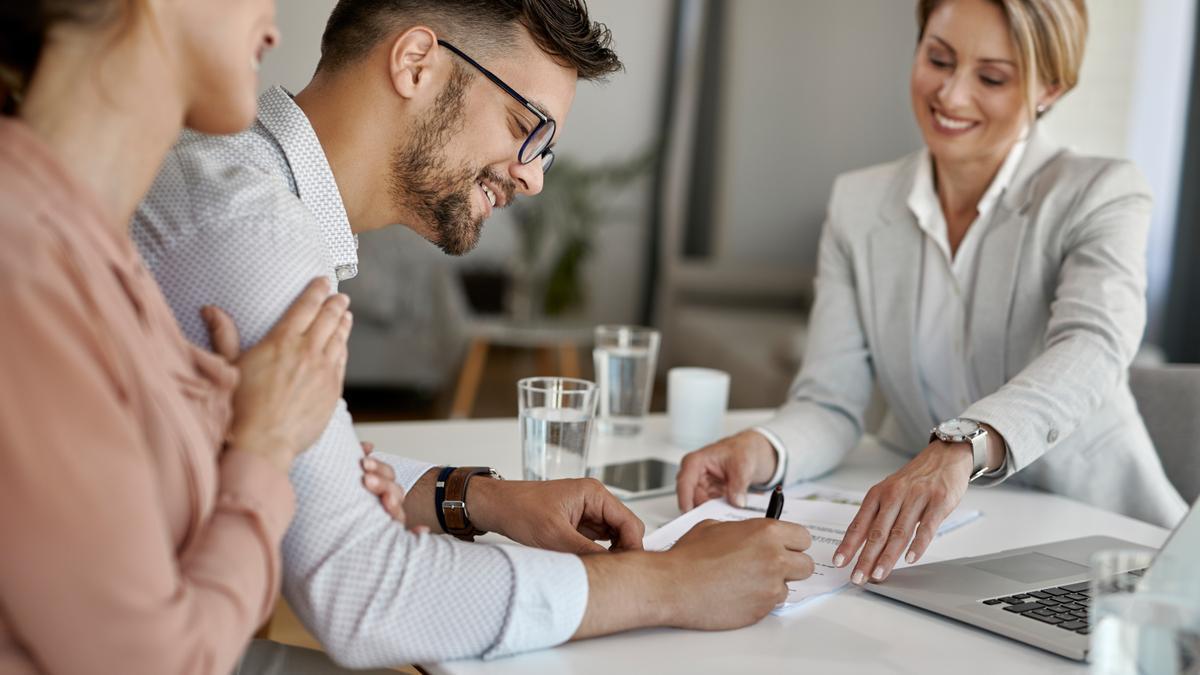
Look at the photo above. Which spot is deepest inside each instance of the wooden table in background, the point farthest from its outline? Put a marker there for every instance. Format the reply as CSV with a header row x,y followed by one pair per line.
x,y
552,340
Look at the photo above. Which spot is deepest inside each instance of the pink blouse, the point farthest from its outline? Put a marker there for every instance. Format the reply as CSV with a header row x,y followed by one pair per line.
x,y
131,542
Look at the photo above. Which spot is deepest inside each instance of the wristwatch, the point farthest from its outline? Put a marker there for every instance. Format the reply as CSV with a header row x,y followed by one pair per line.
x,y
450,499
963,430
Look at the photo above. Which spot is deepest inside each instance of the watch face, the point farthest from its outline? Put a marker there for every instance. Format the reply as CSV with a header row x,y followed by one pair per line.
x,y
958,427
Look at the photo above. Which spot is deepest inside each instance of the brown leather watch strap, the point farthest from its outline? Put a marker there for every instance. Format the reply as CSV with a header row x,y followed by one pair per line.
x,y
454,504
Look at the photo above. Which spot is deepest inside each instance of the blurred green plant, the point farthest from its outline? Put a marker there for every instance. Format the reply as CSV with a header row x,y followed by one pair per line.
x,y
556,230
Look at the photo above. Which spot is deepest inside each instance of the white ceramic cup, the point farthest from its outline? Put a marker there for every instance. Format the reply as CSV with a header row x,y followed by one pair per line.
x,y
696,400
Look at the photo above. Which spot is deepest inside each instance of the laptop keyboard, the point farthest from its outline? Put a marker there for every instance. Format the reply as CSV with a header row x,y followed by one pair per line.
x,y
1063,606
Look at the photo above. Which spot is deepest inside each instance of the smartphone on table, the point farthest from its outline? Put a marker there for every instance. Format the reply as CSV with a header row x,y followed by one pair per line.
x,y
636,479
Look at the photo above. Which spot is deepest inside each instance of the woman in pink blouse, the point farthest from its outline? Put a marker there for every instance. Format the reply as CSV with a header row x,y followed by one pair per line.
x,y
143,482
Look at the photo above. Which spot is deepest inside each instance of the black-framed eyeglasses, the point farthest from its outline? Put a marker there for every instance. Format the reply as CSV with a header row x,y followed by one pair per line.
x,y
537,145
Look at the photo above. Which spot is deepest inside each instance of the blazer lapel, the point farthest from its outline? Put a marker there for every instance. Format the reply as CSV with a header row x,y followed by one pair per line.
x,y
999,261
990,312
895,250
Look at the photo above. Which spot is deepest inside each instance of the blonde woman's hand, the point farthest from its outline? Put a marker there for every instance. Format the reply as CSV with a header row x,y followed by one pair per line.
x,y
291,380
725,469
906,507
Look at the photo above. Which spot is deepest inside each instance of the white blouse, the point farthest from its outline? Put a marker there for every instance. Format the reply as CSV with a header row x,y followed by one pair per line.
x,y
947,280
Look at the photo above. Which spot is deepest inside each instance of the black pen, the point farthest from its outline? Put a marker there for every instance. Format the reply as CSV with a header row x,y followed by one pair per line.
x,y
775,507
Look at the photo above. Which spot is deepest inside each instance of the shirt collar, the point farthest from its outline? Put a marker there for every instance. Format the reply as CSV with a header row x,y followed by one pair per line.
x,y
1003,177
315,184
923,200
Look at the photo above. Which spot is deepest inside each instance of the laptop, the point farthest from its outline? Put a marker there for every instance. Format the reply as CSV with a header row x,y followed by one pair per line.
x,y
1038,595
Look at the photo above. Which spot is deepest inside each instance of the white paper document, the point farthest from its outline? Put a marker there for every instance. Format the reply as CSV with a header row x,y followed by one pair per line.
x,y
825,511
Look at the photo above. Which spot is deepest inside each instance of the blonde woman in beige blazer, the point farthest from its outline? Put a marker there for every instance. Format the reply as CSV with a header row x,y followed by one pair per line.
x,y
992,285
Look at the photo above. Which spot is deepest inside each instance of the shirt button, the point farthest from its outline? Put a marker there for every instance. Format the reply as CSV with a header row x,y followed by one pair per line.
x,y
1052,436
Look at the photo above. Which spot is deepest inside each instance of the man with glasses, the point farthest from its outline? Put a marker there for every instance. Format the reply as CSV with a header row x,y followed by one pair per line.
x,y
537,144
402,123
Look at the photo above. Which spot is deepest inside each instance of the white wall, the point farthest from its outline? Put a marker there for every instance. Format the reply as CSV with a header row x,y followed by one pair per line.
x,y
1157,130
1094,118
812,89
615,120
1131,102
301,23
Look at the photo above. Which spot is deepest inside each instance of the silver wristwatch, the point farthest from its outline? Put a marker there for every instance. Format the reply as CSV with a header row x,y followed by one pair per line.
x,y
962,430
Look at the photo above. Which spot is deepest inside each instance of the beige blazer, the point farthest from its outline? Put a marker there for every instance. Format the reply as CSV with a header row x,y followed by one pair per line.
x,y
1057,314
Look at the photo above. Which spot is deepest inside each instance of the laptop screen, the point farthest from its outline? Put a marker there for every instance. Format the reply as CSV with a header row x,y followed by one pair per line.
x,y
1174,568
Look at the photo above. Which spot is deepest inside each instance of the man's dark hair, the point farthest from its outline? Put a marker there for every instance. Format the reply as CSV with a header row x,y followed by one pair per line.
x,y
561,28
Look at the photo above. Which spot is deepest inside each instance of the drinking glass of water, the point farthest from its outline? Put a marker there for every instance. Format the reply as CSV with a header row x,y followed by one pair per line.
x,y
625,358
556,426
1136,628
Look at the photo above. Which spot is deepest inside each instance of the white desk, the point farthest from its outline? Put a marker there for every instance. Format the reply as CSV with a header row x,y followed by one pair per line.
x,y
852,632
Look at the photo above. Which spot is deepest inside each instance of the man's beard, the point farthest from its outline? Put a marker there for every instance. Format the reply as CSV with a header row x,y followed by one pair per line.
x,y
423,184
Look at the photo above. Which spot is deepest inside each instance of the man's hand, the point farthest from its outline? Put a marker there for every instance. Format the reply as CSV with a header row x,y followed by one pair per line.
x,y
560,515
915,499
737,572
718,576
725,469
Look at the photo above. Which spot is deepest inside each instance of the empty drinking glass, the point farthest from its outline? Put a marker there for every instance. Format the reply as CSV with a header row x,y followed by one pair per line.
x,y
1135,628
625,358
556,426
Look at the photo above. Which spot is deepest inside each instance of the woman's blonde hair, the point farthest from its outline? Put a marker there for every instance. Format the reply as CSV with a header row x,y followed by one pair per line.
x,y
1048,36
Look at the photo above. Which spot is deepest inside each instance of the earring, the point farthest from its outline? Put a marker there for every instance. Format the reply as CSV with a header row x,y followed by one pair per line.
x,y
1041,108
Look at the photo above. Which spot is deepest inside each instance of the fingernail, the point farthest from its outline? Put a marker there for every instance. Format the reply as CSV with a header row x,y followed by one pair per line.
x,y
910,558
839,560
739,500
857,578
369,464
371,481
878,573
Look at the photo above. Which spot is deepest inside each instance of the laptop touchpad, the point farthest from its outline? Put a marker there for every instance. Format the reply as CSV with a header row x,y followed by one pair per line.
x,y
1030,567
